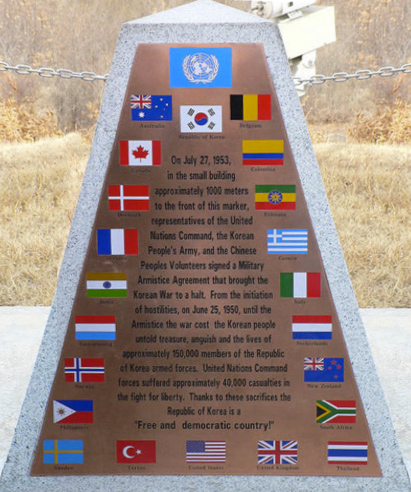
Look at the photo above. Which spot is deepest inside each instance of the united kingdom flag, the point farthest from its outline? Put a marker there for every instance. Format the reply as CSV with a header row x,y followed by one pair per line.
x,y
140,102
277,452
313,364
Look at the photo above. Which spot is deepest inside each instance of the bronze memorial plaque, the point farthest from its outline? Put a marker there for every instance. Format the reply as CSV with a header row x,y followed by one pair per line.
x,y
203,337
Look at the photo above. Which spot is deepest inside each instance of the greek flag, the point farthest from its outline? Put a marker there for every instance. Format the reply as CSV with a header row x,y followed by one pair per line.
x,y
293,241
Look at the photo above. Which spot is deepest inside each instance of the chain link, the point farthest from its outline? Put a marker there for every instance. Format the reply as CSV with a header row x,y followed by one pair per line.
x,y
358,75
49,73
64,73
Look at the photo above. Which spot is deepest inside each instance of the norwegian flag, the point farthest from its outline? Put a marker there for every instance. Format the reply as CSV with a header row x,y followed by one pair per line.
x,y
277,452
77,370
140,102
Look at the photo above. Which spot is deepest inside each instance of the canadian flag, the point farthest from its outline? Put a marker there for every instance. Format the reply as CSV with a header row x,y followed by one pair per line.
x,y
140,153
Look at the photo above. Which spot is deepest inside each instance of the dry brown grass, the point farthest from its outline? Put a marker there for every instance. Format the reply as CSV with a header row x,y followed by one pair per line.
x,y
39,186
369,189
21,122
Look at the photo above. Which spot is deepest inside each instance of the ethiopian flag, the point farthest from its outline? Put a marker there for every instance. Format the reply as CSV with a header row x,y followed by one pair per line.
x,y
275,197
106,284
263,152
250,107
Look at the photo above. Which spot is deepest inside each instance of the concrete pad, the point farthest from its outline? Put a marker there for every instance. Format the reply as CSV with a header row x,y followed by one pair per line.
x,y
21,331
388,332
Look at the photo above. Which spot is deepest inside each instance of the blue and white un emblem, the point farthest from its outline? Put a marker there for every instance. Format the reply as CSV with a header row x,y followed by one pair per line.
x,y
200,67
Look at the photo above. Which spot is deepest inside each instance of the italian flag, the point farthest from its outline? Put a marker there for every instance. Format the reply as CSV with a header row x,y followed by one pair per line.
x,y
300,284
140,153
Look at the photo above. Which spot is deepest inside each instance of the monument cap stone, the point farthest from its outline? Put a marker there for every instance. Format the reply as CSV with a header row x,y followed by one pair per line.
x,y
203,22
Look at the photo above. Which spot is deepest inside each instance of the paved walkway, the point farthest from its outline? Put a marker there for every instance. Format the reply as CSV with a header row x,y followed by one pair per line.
x,y
388,331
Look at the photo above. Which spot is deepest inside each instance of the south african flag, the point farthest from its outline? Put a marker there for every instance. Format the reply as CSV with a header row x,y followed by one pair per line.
x,y
336,411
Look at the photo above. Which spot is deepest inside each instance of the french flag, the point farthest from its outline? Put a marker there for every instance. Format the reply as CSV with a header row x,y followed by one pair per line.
x,y
117,241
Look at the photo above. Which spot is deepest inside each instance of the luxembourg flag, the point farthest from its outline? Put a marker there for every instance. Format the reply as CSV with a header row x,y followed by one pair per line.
x,y
117,241
95,327
140,153
312,327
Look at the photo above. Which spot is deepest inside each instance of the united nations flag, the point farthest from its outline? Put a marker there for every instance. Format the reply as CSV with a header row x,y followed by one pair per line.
x,y
200,67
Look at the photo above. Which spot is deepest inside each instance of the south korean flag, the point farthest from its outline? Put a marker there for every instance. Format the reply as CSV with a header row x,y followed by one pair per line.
x,y
201,119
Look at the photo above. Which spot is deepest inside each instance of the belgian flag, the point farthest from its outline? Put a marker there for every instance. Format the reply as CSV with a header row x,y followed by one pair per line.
x,y
250,107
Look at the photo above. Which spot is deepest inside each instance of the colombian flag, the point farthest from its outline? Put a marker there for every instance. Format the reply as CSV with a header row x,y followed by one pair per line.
x,y
250,107
263,152
275,197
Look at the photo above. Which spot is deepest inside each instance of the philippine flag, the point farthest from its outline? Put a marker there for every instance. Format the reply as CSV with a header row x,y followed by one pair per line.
x,y
201,119
117,241
73,411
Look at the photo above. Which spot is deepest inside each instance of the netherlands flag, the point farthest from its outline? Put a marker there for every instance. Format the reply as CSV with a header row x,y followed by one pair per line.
x,y
117,241
140,153
312,327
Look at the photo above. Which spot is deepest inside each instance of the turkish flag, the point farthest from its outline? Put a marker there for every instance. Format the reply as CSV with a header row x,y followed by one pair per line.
x,y
136,451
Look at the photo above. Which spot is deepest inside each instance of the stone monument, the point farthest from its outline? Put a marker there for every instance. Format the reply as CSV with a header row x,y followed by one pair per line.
x,y
204,332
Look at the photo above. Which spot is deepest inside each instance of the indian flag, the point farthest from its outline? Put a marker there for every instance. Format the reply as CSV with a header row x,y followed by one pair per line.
x,y
106,284
263,152
300,284
312,327
95,327
275,197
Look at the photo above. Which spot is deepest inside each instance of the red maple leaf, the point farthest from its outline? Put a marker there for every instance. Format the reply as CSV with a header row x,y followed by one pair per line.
x,y
140,153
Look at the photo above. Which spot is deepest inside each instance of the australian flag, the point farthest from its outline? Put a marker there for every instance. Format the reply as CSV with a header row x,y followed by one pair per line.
x,y
151,108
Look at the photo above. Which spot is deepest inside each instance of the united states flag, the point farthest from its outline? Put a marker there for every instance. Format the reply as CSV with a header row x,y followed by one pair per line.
x,y
205,451
277,452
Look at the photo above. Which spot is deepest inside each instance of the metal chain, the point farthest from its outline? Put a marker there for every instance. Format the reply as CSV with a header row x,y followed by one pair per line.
x,y
48,73
358,75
